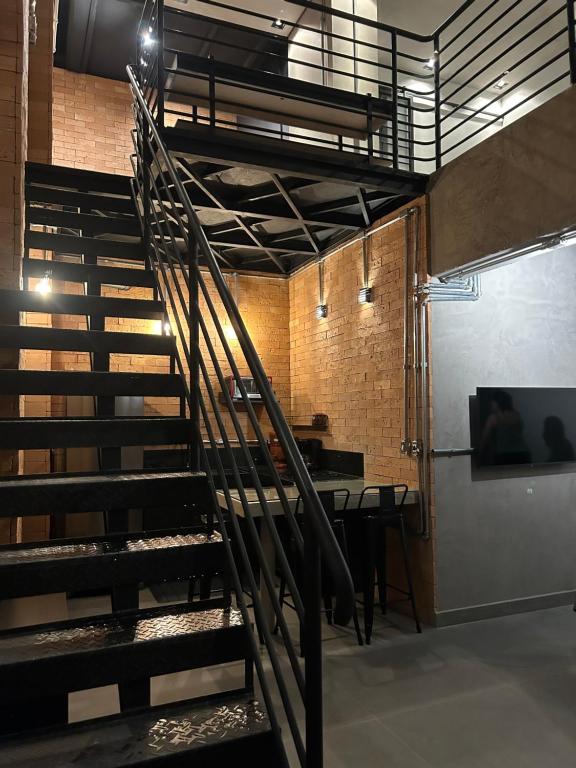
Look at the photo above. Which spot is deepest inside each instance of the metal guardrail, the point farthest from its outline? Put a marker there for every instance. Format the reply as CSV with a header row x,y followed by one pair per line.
x,y
176,246
489,63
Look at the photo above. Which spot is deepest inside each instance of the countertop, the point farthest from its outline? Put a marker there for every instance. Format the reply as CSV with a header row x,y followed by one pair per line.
x,y
271,495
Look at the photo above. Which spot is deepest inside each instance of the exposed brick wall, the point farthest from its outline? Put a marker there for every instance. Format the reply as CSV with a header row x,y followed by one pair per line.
x,y
349,366
40,85
92,120
13,147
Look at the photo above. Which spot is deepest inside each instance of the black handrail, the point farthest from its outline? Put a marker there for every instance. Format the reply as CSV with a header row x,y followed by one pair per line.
x,y
170,226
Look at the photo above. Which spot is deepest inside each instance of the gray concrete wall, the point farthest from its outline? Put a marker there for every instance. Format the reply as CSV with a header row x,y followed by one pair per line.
x,y
504,543
512,188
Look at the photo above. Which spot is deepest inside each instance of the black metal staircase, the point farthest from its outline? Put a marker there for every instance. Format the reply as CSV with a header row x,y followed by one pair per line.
x,y
103,231
96,233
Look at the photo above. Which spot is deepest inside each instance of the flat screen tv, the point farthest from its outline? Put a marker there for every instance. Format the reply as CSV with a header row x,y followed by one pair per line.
x,y
520,425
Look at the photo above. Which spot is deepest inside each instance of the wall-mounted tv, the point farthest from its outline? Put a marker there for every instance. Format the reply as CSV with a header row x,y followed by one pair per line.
x,y
521,425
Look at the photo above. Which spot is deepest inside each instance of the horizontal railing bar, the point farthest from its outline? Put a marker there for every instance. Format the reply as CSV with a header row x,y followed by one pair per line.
x,y
361,20
470,24
511,48
497,39
495,79
551,61
508,111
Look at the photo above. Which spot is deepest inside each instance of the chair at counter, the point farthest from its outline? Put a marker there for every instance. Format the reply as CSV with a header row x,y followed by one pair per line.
x,y
375,523
328,499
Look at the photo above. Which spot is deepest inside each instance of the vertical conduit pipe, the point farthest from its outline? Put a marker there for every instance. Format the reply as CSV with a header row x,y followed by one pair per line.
x,y
406,442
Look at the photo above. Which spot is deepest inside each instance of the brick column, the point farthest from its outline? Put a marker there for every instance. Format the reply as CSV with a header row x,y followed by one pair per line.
x,y
13,148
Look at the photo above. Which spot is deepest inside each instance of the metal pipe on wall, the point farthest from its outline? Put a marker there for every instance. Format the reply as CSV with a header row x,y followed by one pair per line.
x,y
406,444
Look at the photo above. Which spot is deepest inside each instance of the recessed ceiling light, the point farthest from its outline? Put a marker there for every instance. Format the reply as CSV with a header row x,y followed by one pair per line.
x,y
278,24
502,83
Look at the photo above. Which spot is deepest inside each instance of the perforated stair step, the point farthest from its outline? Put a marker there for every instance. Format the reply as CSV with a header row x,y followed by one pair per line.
x,y
88,653
25,495
72,565
226,730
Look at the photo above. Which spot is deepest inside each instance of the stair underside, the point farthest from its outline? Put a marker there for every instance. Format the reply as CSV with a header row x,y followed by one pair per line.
x,y
21,382
30,433
89,246
61,339
90,224
75,272
72,565
87,653
231,726
59,303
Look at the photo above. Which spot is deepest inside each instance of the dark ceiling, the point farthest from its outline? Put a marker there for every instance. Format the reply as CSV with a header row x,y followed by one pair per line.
x,y
97,36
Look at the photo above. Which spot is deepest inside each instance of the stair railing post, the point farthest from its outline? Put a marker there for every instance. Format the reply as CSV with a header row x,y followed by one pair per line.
x,y
312,640
194,340
160,62
394,47
571,39
437,98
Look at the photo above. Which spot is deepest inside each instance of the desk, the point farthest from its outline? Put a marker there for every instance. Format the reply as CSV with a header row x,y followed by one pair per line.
x,y
271,494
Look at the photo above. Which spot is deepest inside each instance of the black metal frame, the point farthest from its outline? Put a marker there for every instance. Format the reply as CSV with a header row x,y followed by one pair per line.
x,y
168,219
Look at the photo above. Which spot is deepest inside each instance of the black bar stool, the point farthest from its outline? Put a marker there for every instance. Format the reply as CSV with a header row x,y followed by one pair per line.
x,y
376,522
328,499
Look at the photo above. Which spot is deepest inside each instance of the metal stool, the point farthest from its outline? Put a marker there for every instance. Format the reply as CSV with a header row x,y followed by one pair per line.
x,y
376,523
328,499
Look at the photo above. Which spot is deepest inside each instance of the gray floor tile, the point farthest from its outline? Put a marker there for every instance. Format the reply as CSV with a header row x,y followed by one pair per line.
x,y
496,728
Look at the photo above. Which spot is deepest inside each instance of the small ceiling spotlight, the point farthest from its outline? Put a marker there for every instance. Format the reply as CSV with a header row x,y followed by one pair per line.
x,y
365,295
147,38
321,311
278,24
502,83
44,286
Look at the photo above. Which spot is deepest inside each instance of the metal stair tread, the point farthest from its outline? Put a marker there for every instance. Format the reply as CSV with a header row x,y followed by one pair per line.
x,y
98,634
65,339
26,382
77,272
68,550
77,304
151,736
31,432
47,481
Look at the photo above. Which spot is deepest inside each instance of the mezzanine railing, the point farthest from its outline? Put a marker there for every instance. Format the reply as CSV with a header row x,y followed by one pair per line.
x,y
489,63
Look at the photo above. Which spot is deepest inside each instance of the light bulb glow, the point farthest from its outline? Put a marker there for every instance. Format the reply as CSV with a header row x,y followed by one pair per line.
x,y
44,286
147,38
321,311
230,333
